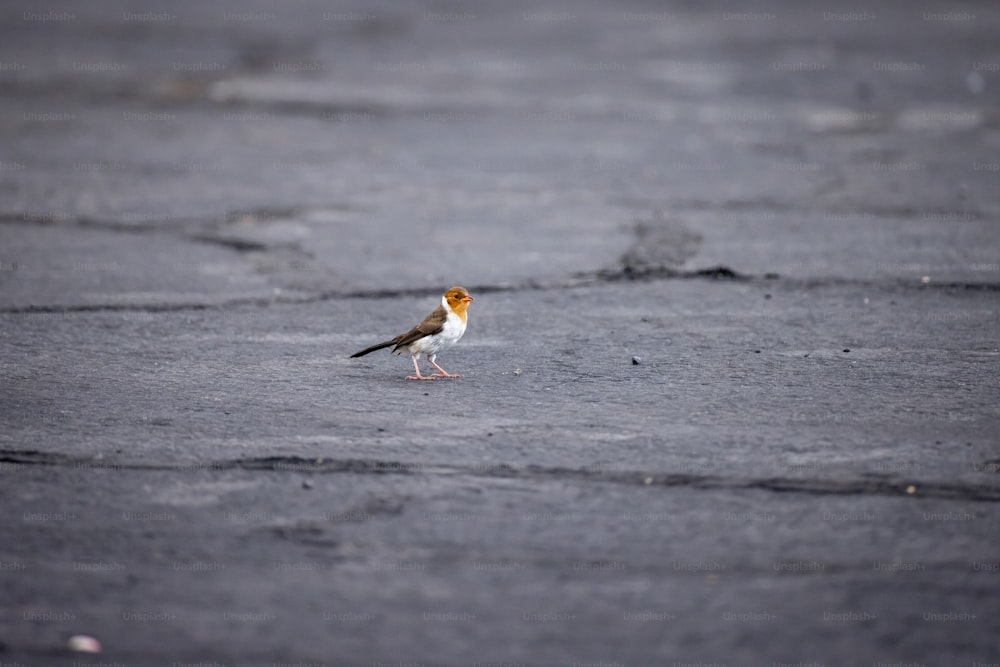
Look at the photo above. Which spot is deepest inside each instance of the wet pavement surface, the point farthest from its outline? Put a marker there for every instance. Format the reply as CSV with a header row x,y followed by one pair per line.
x,y
731,378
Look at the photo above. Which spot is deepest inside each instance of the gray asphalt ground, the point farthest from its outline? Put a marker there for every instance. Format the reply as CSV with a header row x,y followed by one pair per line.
x,y
731,377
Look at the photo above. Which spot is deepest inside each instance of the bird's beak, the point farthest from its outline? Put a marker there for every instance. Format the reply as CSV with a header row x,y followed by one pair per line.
x,y
468,299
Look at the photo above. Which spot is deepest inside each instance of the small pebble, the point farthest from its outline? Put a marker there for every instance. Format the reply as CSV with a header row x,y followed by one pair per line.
x,y
925,279
767,296
911,489
306,484
636,361
756,351
847,349
517,371
83,644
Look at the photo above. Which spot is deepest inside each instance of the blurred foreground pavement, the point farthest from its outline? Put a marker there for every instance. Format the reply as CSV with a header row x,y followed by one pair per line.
x,y
731,379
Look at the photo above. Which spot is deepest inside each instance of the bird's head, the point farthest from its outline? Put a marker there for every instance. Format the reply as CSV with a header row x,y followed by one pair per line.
x,y
458,300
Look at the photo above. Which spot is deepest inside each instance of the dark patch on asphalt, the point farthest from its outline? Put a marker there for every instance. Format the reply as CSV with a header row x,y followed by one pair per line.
x,y
305,532
961,286
857,486
717,273
899,284
239,245
299,464
656,254
648,273
771,205
661,243
33,457
143,308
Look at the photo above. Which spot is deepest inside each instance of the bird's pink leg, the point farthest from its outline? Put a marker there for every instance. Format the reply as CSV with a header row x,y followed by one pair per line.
x,y
418,376
443,373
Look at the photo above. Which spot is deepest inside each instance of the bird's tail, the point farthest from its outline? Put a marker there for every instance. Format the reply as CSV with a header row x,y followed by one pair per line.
x,y
373,348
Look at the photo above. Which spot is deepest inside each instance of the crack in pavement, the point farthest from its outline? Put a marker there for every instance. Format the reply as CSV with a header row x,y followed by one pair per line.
x,y
631,268
768,204
579,280
232,243
322,465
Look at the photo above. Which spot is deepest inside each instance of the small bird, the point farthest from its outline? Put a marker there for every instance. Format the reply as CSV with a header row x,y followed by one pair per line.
x,y
439,331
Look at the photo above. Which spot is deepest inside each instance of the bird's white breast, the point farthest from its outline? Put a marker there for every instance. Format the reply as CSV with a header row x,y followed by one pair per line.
x,y
454,328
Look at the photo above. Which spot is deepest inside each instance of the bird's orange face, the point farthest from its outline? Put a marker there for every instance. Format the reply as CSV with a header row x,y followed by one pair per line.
x,y
458,299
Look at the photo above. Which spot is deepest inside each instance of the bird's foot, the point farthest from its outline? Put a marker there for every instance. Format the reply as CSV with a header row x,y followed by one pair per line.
x,y
446,375
421,377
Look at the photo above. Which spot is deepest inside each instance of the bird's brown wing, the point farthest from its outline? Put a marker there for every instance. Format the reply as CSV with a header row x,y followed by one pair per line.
x,y
432,324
